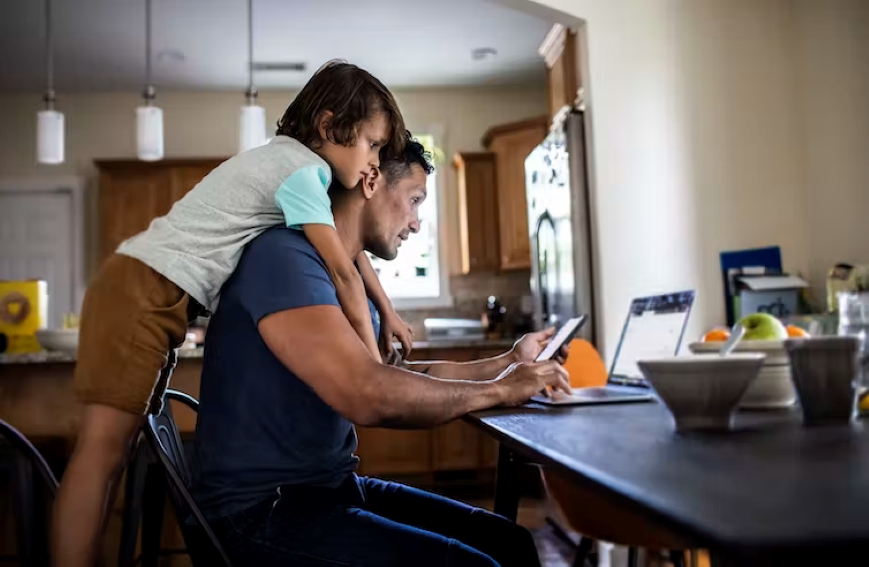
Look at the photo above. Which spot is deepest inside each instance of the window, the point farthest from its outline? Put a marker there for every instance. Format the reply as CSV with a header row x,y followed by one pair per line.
x,y
416,278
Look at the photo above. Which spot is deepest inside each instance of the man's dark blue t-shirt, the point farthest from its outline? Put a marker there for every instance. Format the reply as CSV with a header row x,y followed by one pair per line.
x,y
259,425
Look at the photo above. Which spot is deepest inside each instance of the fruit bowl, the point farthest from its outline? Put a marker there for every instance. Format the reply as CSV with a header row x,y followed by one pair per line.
x,y
58,339
702,391
773,387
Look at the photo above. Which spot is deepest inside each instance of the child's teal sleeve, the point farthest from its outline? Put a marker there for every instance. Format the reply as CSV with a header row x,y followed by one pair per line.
x,y
304,199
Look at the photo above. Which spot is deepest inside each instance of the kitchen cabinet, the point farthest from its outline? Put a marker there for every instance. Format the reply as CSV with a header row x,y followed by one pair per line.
x,y
132,193
563,77
451,447
511,143
478,203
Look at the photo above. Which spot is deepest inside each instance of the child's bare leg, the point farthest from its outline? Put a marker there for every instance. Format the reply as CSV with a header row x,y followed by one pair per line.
x,y
87,489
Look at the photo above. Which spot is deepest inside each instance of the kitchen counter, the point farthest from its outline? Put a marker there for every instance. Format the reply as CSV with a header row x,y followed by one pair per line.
x,y
61,357
484,344
58,357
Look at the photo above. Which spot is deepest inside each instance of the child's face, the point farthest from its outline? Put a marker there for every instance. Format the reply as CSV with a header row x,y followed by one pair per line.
x,y
353,163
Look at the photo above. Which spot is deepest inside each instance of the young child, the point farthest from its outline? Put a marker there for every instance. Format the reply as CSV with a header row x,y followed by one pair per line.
x,y
138,306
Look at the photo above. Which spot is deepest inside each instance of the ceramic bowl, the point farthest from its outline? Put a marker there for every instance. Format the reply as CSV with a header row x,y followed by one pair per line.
x,y
58,339
702,391
773,387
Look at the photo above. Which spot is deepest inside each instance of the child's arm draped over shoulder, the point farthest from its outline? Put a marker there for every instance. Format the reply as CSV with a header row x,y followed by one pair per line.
x,y
348,282
304,200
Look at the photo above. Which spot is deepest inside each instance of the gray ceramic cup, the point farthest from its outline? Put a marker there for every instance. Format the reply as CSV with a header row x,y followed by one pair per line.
x,y
825,371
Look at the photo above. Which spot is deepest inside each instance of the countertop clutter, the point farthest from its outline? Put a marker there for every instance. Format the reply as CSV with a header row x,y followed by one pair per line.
x,y
61,357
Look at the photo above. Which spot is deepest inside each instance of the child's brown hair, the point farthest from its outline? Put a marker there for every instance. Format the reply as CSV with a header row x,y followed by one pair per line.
x,y
352,95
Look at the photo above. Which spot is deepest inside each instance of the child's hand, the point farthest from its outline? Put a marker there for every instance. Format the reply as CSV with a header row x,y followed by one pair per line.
x,y
393,326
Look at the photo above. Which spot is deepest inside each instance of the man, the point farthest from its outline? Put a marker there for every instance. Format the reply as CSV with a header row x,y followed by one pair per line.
x,y
284,380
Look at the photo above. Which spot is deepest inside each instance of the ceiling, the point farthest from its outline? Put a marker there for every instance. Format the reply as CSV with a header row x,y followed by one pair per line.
x,y
202,44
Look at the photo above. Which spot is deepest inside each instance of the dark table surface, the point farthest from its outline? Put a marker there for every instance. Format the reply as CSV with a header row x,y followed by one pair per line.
x,y
771,483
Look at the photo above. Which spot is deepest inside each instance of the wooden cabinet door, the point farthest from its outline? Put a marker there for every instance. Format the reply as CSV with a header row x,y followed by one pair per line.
x,y
133,193
185,178
559,51
455,445
478,206
128,204
511,144
393,451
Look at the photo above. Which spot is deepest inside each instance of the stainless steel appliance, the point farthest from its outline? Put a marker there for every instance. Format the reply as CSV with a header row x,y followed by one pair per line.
x,y
437,329
560,227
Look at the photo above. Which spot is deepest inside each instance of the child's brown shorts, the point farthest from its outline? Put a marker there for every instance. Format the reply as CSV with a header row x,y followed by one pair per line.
x,y
131,317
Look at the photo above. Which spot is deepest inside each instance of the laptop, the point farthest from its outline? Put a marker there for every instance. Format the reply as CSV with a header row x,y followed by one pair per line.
x,y
654,327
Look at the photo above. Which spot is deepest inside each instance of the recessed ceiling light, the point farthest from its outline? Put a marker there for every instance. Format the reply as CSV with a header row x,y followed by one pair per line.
x,y
296,66
483,53
171,55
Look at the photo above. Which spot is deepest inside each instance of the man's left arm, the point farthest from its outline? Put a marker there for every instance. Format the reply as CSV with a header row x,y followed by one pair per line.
x,y
526,349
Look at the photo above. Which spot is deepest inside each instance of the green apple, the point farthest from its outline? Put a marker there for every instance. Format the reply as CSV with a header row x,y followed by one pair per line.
x,y
762,327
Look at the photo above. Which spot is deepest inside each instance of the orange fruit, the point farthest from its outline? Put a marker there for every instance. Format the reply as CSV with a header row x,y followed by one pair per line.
x,y
716,335
794,331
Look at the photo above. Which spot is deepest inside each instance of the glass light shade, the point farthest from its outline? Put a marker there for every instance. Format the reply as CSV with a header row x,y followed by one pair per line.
x,y
149,133
251,127
49,137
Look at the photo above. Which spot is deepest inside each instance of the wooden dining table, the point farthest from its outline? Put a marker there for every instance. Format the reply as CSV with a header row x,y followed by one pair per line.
x,y
769,492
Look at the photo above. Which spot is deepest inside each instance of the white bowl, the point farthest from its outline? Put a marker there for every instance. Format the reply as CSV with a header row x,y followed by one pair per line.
x,y
58,339
702,391
773,387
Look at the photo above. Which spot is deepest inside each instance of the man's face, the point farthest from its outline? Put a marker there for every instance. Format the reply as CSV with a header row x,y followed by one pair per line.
x,y
392,213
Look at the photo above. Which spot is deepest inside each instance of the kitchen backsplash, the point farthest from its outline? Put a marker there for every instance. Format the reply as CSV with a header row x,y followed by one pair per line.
x,y
469,298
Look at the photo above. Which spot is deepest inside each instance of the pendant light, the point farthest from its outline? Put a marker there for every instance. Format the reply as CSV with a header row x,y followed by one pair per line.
x,y
49,122
149,118
252,120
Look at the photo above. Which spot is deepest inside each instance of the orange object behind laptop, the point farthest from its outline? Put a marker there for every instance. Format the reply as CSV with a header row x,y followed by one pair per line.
x,y
584,365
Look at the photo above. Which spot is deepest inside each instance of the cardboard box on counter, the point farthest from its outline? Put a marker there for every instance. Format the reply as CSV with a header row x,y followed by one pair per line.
x,y
776,294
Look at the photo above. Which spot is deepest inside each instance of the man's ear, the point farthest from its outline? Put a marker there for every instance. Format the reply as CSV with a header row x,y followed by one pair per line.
x,y
324,120
370,183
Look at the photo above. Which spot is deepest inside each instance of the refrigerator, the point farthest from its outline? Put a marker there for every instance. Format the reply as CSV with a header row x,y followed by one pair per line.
x,y
556,190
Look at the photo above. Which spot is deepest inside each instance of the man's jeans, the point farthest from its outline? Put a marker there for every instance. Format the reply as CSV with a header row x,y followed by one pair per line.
x,y
366,523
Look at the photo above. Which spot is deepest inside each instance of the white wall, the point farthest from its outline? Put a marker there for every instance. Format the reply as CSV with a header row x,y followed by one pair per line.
x,y
833,82
204,124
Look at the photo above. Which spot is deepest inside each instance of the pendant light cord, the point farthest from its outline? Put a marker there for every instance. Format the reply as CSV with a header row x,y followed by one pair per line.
x,y
49,56
149,88
251,90
250,42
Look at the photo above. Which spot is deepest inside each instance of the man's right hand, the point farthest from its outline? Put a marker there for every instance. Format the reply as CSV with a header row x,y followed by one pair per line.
x,y
522,380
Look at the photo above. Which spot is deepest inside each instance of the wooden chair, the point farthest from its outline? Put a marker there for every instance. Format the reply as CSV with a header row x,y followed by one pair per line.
x,y
586,511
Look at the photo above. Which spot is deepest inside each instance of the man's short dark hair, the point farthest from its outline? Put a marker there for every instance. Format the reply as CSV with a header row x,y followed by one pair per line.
x,y
352,95
414,154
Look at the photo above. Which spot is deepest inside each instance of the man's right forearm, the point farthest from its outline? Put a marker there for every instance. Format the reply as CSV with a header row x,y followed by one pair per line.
x,y
403,399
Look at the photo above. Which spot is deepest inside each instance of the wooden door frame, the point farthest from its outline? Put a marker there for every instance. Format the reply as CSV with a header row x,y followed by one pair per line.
x,y
74,187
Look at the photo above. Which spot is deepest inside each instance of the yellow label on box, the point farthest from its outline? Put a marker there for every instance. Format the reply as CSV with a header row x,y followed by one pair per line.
x,y
23,310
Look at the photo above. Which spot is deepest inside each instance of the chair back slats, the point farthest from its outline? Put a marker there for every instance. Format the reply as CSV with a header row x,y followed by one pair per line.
x,y
165,442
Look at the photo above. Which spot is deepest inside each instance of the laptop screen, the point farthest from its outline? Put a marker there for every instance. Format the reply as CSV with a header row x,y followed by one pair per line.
x,y
654,328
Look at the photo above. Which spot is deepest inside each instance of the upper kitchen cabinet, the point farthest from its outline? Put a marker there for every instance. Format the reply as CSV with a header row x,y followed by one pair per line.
x,y
511,144
563,78
478,201
133,193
